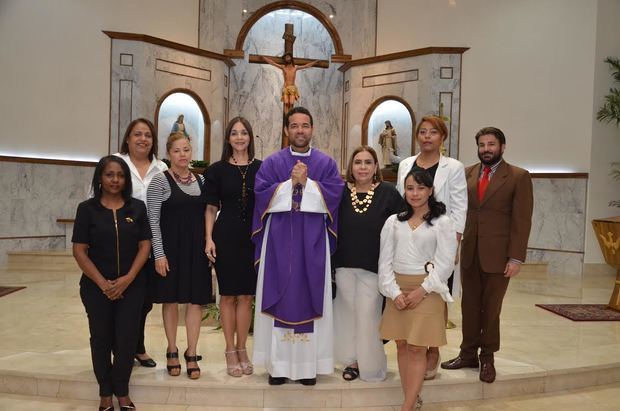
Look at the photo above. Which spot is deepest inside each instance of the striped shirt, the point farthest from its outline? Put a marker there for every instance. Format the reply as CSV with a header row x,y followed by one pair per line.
x,y
159,191
493,169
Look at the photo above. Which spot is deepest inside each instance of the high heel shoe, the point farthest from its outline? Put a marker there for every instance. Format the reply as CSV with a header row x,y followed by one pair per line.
x,y
173,370
418,403
191,371
246,367
430,374
129,407
149,362
233,370
108,408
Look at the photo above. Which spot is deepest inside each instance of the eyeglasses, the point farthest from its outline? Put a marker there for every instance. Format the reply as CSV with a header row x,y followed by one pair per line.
x,y
432,132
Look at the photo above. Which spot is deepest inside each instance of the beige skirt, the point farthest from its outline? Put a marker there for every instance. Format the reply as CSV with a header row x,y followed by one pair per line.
x,y
425,325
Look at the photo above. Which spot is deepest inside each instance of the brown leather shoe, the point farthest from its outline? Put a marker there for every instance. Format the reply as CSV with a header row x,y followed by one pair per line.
x,y
458,363
487,372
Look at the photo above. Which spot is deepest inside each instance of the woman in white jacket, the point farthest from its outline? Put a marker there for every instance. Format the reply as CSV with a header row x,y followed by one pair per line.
x,y
449,187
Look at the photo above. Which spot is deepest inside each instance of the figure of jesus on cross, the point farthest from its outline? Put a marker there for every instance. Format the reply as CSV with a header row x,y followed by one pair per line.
x,y
286,63
290,93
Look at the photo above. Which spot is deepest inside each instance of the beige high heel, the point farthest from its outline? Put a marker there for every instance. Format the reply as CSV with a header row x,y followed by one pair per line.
x,y
430,374
233,370
246,367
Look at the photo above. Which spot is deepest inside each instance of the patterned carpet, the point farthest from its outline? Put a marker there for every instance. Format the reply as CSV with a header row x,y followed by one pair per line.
x,y
583,312
8,290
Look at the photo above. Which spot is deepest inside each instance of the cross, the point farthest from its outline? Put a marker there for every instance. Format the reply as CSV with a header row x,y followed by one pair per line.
x,y
289,66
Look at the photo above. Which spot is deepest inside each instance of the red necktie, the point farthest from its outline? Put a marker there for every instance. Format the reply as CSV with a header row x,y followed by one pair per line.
x,y
483,183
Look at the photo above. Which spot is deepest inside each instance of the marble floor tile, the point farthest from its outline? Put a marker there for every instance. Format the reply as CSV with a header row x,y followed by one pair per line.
x,y
45,336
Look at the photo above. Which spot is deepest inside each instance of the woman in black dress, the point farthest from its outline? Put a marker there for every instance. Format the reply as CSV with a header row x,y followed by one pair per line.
x,y
230,189
111,242
176,207
366,203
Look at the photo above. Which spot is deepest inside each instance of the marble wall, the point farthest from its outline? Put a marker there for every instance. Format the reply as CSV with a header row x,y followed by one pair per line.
x,y
354,20
142,74
34,196
256,88
558,233
423,82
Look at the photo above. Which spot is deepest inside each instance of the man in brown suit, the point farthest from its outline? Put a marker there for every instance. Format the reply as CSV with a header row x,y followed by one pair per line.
x,y
499,217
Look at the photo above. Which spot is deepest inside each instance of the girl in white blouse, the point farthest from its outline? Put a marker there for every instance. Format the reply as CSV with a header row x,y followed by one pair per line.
x,y
415,262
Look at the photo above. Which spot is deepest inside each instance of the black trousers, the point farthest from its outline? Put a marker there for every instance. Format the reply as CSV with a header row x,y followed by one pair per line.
x,y
146,309
114,332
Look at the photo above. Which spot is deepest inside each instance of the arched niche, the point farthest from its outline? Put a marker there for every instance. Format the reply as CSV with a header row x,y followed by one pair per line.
x,y
196,120
295,5
400,114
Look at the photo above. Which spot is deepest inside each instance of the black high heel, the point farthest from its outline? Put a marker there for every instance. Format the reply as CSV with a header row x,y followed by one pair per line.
x,y
128,407
149,362
190,371
110,408
170,368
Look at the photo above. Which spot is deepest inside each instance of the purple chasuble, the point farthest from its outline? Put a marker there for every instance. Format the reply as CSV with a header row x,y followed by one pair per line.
x,y
294,275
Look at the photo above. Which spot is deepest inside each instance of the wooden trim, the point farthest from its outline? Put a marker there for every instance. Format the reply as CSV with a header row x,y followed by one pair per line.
x,y
559,175
341,58
169,44
295,5
372,108
32,236
65,220
403,54
556,251
53,161
206,155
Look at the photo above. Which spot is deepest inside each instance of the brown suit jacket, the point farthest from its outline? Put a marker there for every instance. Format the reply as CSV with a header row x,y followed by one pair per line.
x,y
498,228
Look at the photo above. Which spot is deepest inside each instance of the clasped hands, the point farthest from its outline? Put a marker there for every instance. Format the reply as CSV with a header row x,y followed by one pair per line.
x,y
299,175
408,301
114,289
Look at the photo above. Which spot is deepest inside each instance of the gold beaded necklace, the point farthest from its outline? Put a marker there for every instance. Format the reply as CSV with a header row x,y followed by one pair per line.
x,y
361,206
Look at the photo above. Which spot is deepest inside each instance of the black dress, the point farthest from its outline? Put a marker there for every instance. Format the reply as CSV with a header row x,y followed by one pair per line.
x,y
182,224
234,264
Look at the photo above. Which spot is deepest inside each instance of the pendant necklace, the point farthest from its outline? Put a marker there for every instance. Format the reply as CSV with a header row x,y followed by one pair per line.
x,y
243,170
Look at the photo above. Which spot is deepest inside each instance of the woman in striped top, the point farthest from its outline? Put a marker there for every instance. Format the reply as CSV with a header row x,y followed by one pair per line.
x,y
176,207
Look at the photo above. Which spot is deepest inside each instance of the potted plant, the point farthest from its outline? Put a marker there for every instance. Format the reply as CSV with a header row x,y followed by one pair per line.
x,y
607,230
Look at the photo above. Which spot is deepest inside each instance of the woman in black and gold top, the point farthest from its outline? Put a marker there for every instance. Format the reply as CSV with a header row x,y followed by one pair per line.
x,y
111,242
366,203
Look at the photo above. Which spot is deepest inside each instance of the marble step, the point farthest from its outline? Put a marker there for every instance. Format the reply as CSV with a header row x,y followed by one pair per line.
x,y
216,390
52,260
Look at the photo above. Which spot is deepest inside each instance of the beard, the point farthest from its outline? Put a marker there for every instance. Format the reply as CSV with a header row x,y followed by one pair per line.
x,y
489,161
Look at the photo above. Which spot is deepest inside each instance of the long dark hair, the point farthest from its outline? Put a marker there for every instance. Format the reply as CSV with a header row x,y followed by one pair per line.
x,y
436,208
125,144
96,183
227,150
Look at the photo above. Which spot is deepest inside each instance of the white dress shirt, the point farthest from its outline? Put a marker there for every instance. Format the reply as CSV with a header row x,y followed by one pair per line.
x,y
141,184
406,251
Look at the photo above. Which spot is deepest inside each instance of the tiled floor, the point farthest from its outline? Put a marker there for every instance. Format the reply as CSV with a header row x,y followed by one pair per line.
x,y
45,335
600,398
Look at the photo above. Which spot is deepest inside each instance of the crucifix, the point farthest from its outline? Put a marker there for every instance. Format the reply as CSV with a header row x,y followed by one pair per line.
x,y
286,63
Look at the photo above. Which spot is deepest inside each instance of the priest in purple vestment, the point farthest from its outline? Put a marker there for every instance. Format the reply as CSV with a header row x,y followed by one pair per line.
x,y
297,193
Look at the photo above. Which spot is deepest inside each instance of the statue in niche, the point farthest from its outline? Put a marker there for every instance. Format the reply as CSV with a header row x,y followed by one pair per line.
x,y
179,126
387,141
290,93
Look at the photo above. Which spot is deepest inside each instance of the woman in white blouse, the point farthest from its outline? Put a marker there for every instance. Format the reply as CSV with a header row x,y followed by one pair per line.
x,y
415,261
139,150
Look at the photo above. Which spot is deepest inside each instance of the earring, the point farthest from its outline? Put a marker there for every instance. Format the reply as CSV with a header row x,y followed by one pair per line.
x,y
99,186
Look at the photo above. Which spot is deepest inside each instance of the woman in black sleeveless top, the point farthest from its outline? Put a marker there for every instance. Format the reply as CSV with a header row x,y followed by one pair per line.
x,y
176,205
